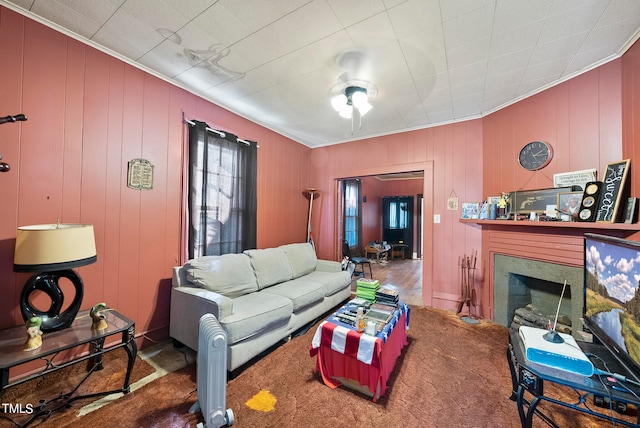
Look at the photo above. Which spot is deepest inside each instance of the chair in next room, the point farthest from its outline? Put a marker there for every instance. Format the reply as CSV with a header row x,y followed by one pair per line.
x,y
358,261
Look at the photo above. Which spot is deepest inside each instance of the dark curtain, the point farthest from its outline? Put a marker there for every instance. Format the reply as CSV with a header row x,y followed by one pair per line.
x,y
222,193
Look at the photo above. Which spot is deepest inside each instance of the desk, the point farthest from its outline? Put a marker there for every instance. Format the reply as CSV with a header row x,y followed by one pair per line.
x,y
378,253
528,377
55,343
357,360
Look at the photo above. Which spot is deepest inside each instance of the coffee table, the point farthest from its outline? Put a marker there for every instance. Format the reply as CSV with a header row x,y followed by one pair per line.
x,y
357,360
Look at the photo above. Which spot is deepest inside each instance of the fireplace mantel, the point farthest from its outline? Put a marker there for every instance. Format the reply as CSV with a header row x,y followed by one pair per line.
x,y
554,242
557,224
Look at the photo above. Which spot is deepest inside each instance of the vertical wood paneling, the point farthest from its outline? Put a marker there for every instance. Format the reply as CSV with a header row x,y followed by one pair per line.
x,y
129,285
11,103
74,114
569,116
584,107
113,192
41,153
152,203
610,114
631,110
93,208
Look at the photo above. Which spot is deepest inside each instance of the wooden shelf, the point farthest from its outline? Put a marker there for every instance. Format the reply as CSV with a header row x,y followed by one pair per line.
x,y
556,224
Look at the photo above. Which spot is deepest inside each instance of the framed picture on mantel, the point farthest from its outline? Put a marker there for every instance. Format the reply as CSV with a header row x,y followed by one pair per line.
x,y
537,201
614,190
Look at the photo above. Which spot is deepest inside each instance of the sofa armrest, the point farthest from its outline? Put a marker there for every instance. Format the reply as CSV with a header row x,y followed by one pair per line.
x,y
217,304
328,266
188,305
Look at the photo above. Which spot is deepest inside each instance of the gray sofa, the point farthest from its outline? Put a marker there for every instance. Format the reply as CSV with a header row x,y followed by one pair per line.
x,y
259,297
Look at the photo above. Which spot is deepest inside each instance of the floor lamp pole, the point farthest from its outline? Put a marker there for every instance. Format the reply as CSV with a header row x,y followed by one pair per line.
x,y
311,194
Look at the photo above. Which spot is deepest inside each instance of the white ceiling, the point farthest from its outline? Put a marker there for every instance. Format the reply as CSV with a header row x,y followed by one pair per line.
x,y
277,62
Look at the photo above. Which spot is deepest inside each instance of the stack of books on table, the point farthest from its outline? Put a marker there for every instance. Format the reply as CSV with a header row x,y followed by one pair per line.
x,y
387,296
367,289
380,312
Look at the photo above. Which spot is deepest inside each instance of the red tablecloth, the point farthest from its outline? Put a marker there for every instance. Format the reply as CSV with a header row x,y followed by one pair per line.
x,y
344,353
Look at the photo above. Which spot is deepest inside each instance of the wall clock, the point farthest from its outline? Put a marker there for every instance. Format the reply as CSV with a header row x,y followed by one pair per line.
x,y
535,155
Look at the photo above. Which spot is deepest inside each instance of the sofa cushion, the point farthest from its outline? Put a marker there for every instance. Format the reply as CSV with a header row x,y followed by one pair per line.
x,y
270,266
300,291
332,282
256,313
302,258
230,274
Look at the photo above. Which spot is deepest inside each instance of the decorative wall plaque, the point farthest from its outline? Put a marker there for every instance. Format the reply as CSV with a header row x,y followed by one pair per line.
x,y
575,178
140,176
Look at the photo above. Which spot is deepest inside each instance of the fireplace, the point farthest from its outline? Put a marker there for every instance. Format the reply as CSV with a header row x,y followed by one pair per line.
x,y
521,281
548,251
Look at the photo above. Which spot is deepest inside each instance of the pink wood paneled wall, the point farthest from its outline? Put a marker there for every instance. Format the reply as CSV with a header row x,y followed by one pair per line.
x,y
449,157
631,113
88,115
580,118
372,210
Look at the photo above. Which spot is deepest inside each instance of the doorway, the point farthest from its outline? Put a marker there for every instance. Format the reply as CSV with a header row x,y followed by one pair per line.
x,y
397,222
404,191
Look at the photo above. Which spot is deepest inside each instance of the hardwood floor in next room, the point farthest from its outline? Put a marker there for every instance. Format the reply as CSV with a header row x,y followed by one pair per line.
x,y
402,275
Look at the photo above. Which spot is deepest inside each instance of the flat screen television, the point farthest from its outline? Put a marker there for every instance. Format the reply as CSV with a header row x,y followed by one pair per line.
x,y
612,297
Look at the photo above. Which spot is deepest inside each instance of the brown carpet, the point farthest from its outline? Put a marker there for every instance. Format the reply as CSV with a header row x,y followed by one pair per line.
x,y
111,377
452,374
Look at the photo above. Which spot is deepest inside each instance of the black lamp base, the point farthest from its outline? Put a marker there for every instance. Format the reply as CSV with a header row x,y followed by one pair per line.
x,y
47,282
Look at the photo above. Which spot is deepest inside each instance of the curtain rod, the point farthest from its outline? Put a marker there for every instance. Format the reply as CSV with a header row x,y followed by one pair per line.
x,y
215,131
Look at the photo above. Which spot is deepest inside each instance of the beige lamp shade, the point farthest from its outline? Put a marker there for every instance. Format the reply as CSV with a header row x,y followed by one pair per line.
x,y
52,247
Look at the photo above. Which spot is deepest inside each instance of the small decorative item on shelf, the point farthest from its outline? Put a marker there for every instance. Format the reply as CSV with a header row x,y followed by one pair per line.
x,y
470,210
503,206
98,317
34,334
631,212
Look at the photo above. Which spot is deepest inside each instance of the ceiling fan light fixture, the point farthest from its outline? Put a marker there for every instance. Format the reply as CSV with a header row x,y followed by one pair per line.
x,y
353,96
359,98
339,102
346,112
364,108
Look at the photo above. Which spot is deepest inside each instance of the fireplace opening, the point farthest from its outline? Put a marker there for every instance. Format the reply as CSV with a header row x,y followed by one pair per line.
x,y
527,283
537,302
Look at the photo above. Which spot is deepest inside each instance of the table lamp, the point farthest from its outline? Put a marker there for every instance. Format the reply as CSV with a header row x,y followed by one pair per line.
x,y
51,251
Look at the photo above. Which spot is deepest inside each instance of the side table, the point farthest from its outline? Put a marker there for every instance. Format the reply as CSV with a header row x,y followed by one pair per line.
x,y
529,378
398,250
55,343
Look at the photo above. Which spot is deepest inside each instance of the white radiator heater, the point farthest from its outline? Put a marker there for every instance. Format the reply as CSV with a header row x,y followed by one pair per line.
x,y
212,373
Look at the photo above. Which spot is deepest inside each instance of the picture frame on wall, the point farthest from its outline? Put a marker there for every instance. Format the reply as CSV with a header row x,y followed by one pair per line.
x,y
568,203
470,210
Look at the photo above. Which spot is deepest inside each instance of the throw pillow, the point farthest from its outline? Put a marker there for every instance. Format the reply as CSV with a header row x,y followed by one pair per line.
x,y
229,274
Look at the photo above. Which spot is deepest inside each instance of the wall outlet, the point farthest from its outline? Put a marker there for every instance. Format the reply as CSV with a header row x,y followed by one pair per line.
x,y
436,218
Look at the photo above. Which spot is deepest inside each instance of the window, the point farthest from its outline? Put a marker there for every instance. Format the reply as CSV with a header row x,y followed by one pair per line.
x,y
352,219
222,193
398,215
